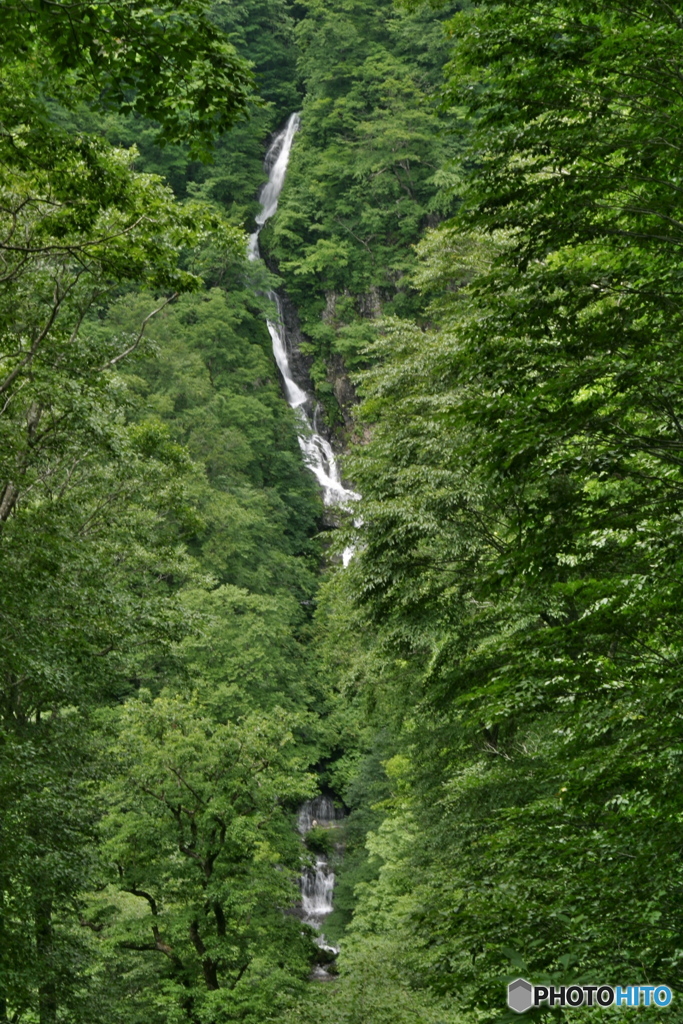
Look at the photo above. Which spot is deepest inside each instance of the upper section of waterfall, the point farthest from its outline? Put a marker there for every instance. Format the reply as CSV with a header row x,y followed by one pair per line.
x,y
277,161
317,450
319,811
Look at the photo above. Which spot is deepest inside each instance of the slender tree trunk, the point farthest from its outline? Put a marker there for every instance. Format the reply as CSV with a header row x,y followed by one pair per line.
x,y
47,991
209,966
7,501
3,945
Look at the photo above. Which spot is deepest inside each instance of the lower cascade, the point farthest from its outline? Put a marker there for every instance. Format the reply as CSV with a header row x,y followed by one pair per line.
x,y
317,883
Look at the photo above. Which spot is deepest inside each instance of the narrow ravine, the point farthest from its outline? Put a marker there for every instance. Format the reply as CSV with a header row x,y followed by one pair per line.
x,y
317,883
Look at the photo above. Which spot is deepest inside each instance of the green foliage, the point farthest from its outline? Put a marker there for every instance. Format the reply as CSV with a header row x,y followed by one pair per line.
x,y
167,62
491,686
214,384
519,552
155,538
263,33
87,503
197,833
380,968
319,840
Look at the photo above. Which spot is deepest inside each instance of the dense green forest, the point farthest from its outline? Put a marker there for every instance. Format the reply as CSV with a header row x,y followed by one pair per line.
x,y
478,247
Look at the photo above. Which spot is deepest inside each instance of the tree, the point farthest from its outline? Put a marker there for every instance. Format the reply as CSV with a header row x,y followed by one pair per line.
x,y
198,834
168,62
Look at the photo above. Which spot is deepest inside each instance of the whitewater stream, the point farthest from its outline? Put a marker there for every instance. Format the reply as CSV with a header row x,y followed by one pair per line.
x,y
317,883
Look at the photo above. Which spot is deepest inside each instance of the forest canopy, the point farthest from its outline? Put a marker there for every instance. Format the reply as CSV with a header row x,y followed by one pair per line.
x,y
477,253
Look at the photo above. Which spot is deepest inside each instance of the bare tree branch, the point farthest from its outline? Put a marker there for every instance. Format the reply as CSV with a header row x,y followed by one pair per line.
x,y
131,348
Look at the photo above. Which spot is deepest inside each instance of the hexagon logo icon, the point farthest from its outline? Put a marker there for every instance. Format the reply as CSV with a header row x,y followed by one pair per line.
x,y
520,995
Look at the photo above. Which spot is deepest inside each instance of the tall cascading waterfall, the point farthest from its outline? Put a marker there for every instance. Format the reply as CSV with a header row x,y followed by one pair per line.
x,y
317,883
316,449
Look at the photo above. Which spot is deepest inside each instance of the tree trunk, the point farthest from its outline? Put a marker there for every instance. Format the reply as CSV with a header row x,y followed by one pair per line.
x,y
209,966
8,500
47,991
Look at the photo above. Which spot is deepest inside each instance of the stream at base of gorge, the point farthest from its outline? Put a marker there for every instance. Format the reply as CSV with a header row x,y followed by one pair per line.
x,y
317,882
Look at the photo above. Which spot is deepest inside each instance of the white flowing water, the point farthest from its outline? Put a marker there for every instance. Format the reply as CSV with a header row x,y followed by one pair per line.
x,y
317,883
317,450
320,811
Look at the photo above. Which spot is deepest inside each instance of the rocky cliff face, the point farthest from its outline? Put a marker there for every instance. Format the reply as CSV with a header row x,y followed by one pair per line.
x,y
343,389
300,364
337,374
368,306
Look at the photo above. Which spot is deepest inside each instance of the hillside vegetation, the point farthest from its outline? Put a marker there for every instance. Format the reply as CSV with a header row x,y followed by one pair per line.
x,y
479,238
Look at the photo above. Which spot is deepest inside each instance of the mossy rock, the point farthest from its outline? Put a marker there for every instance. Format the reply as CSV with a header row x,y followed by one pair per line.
x,y
325,958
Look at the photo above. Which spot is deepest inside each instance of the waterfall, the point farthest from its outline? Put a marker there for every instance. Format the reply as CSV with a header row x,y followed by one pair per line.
x,y
317,450
317,883
320,811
